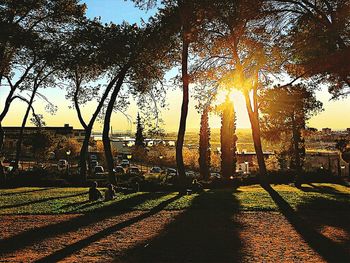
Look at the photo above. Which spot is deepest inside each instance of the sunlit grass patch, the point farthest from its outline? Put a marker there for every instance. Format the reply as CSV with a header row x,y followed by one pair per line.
x,y
34,200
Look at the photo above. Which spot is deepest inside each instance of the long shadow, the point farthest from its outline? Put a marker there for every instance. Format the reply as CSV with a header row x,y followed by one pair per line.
x,y
326,248
69,250
41,200
330,212
323,190
25,192
31,236
206,232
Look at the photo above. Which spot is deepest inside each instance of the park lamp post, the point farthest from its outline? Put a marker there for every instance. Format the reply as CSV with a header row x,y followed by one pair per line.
x,y
129,156
342,170
160,159
68,152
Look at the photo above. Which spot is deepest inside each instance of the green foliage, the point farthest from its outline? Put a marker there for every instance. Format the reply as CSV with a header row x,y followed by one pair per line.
x,y
40,143
285,111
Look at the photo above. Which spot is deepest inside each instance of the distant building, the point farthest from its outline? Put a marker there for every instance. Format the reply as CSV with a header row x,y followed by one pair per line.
x,y
326,130
12,133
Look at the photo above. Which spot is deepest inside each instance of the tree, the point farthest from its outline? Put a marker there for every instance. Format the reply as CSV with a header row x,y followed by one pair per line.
x,y
21,24
228,138
40,143
239,54
41,76
316,40
204,144
286,110
87,60
182,19
142,62
139,139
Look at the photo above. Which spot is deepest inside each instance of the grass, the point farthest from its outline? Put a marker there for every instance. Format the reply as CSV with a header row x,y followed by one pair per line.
x,y
30,200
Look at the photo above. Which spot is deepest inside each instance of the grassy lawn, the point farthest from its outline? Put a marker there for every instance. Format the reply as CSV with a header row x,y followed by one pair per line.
x,y
247,198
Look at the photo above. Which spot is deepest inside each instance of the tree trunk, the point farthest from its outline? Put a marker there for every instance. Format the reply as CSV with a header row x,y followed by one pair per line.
x,y
256,134
24,121
184,111
106,127
3,114
296,140
88,128
204,144
83,154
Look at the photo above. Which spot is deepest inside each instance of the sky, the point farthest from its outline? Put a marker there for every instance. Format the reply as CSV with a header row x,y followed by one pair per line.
x,y
334,115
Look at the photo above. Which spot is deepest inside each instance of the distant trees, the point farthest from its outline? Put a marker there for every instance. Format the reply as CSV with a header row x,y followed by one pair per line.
x,y
40,143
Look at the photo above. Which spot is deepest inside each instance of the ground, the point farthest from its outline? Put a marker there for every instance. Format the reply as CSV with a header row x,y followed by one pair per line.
x,y
247,224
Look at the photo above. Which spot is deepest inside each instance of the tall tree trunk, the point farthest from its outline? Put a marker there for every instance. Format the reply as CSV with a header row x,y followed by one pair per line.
x,y
24,121
83,154
204,144
256,134
88,128
184,111
106,127
3,114
296,141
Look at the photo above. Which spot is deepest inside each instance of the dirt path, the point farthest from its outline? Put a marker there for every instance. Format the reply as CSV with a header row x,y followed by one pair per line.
x,y
166,236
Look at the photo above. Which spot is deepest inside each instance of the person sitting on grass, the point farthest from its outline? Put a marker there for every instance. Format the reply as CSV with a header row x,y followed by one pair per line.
x,y
110,193
196,186
94,193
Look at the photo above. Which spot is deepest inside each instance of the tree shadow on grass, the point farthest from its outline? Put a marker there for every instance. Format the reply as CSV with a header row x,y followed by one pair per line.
x,y
206,232
323,212
323,189
325,247
29,237
41,200
26,192
70,249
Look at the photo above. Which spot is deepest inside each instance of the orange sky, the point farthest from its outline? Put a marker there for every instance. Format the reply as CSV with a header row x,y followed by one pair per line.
x,y
335,115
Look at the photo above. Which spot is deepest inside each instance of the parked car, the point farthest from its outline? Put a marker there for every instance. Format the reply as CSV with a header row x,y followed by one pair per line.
x,y
12,164
215,176
62,165
125,163
133,170
156,169
119,170
93,164
171,171
99,169
155,174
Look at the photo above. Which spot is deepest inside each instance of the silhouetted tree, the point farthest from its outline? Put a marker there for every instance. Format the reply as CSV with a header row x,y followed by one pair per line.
x,y
228,138
316,40
139,138
285,111
22,23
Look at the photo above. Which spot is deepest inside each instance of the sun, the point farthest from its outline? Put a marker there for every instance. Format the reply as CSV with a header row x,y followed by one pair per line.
x,y
223,93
